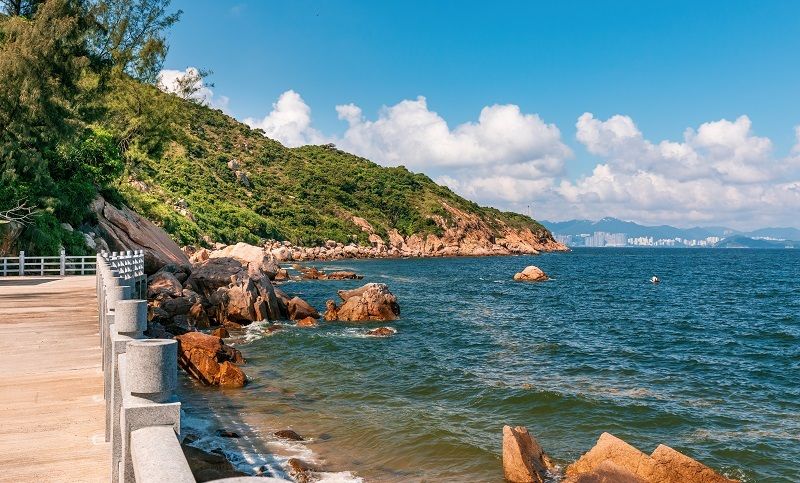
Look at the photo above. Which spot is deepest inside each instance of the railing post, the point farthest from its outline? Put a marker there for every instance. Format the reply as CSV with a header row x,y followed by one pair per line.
x,y
21,263
63,261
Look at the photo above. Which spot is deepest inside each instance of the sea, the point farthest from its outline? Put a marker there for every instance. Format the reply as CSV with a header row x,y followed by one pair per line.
x,y
707,362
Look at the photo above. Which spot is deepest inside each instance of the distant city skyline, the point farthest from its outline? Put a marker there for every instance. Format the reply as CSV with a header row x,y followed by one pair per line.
x,y
662,112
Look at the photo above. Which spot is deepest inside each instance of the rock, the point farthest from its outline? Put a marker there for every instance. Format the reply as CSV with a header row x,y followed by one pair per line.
x,y
531,274
623,455
282,275
300,309
524,461
199,256
373,301
682,468
234,165
288,434
67,227
209,360
226,434
180,273
163,284
89,241
382,332
307,322
299,470
213,274
250,255
273,328
176,306
242,179
221,332
126,230
198,317
344,275
312,273
207,466
282,254
607,472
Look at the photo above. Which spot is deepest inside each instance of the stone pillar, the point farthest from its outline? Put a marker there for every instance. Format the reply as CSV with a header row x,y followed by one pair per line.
x,y
149,373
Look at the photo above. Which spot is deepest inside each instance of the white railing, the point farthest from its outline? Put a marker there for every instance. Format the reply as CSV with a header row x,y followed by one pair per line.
x,y
60,265
140,375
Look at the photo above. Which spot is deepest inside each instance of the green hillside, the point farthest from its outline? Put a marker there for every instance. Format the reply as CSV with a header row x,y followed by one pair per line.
x,y
80,114
305,195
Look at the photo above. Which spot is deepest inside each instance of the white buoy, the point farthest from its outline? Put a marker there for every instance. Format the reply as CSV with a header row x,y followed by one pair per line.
x,y
655,279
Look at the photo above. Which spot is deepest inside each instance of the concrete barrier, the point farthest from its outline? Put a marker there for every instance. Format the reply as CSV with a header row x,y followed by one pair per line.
x,y
140,375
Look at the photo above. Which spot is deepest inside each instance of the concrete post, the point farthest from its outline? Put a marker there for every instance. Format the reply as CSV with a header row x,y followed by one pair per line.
x,y
62,265
21,263
148,375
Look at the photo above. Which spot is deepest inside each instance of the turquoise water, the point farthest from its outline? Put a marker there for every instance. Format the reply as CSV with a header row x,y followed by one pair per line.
x,y
707,362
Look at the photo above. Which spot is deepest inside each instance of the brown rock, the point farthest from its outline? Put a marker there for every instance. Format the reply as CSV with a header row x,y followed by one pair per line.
x,y
299,470
273,328
198,317
344,275
300,309
288,434
683,469
221,332
531,274
209,360
373,301
250,255
163,283
524,461
200,256
307,322
126,230
622,454
381,332
607,472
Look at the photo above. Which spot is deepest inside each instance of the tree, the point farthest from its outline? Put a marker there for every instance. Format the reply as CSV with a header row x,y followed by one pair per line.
x,y
190,85
131,35
22,8
42,61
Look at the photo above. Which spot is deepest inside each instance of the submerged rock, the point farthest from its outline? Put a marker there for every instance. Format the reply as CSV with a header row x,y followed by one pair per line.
x,y
382,332
531,274
307,322
524,461
373,301
288,434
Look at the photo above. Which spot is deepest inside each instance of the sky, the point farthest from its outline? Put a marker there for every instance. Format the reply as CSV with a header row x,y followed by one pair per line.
x,y
685,113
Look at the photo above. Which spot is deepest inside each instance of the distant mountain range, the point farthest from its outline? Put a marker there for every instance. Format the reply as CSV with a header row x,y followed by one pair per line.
x,y
632,230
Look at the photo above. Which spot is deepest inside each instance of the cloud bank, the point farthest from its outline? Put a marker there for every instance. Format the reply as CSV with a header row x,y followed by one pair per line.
x,y
168,82
720,172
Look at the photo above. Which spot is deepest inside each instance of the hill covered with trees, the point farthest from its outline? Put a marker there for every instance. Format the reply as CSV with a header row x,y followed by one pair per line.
x,y
81,115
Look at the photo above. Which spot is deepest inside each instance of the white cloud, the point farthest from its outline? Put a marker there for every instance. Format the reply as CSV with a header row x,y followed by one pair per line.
x,y
168,82
289,122
410,134
720,173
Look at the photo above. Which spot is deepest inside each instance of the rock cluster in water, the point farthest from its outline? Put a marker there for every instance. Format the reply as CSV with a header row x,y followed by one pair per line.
x,y
610,460
234,286
531,273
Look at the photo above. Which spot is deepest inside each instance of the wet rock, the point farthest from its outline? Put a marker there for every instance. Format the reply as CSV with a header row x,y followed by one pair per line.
x,y
607,472
288,434
531,274
382,332
300,470
300,309
623,455
344,275
682,468
273,328
524,461
221,332
307,322
209,360
207,466
226,434
373,301
198,317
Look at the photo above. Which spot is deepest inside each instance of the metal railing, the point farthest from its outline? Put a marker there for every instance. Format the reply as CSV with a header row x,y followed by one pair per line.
x,y
60,265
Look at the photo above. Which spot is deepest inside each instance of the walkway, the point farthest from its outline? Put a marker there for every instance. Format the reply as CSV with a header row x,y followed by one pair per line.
x,y
51,394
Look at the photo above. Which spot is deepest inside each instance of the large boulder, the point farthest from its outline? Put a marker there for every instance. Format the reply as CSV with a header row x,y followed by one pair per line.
x,y
373,301
127,230
524,461
250,255
163,284
209,360
531,274
682,468
300,309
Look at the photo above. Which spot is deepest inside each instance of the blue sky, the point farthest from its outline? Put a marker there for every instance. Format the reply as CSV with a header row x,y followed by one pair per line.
x,y
665,66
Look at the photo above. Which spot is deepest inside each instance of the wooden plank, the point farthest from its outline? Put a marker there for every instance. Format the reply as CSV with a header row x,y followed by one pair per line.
x,y
52,413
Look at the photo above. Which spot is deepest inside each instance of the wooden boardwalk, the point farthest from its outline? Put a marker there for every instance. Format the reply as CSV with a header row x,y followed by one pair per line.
x,y
52,413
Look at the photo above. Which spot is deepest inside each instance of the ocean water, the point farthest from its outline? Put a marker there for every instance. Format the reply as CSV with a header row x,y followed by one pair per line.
x,y
707,362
